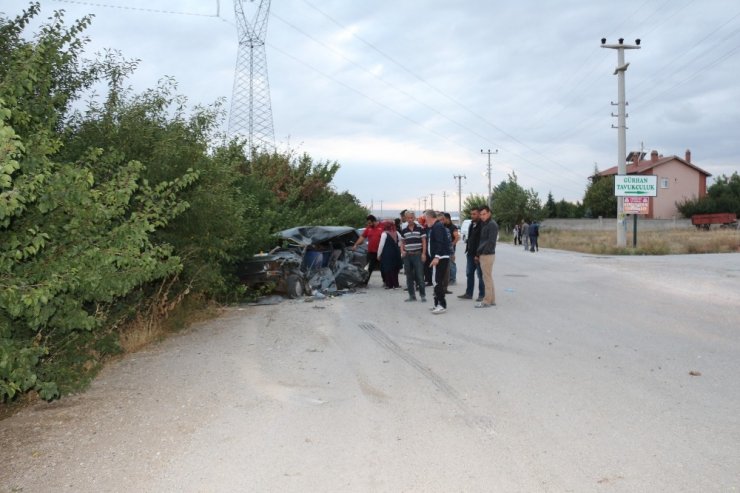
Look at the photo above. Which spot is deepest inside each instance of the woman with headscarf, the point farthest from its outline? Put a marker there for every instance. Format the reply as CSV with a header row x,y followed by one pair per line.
x,y
389,255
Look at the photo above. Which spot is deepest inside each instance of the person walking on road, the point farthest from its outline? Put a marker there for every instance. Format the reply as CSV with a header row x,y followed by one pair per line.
x,y
487,255
439,249
534,234
525,234
472,267
413,252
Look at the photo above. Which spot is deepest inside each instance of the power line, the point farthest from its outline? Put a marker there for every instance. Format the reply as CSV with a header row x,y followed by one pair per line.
x,y
141,9
458,103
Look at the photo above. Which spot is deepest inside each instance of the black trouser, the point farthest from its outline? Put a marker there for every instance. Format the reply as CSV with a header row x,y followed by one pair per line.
x,y
428,271
533,243
441,276
372,264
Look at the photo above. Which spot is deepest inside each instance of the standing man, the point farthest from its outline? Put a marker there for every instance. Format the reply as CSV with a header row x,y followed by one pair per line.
x,y
413,251
471,253
454,237
439,249
525,234
373,232
534,233
487,254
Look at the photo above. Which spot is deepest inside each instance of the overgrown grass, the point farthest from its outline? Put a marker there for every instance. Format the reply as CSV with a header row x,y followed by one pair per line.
x,y
669,242
78,358
146,329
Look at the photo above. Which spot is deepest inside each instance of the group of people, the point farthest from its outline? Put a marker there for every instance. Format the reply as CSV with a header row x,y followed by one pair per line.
x,y
425,248
528,235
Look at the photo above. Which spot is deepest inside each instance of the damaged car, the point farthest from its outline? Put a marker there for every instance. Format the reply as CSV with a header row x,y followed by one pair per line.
x,y
309,259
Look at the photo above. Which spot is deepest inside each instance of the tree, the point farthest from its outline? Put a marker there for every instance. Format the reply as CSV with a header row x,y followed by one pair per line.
x,y
722,196
472,201
600,199
564,209
512,203
549,209
72,242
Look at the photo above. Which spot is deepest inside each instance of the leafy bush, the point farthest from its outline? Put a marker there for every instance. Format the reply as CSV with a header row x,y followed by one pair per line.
x,y
722,196
74,241
111,216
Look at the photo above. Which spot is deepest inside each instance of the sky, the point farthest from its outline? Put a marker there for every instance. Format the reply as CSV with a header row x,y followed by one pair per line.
x,y
405,96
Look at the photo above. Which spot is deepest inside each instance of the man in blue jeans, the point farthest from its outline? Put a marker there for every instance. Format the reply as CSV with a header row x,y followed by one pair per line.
x,y
473,266
413,251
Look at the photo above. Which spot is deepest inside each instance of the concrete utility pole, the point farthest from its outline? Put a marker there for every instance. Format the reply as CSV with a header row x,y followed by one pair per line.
x,y
431,201
489,201
425,203
444,200
621,129
459,179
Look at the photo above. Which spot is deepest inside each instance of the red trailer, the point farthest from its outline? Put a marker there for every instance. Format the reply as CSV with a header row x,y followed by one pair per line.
x,y
724,219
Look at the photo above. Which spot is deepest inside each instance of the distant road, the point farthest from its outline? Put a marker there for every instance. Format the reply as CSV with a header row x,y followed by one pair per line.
x,y
593,373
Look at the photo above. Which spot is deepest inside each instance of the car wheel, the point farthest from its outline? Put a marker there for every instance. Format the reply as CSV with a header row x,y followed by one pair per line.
x,y
295,286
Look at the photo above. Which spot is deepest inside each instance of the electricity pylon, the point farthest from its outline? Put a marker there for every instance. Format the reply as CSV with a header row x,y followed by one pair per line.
x,y
251,110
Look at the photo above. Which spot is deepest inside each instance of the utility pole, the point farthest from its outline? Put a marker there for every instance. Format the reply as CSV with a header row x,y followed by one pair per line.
x,y
489,201
444,200
431,201
381,208
425,203
418,206
621,129
459,179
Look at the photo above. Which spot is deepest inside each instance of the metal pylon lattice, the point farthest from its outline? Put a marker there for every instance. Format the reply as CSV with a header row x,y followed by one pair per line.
x,y
251,111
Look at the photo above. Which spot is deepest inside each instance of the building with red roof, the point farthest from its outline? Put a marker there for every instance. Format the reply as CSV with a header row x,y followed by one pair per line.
x,y
678,179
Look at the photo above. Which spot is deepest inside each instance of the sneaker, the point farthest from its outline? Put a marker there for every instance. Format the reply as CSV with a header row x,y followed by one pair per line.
x,y
423,299
433,308
479,299
438,309
465,297
410,299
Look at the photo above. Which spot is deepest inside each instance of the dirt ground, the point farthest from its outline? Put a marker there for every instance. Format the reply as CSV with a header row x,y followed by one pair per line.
x,y
580,379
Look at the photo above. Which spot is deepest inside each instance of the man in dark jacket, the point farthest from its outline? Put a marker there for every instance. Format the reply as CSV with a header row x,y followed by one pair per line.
x,y
471,253
487,254
534,234
439,249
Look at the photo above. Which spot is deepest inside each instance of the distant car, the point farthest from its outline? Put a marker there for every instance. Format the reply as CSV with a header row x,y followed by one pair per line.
x,y
306,254
464,230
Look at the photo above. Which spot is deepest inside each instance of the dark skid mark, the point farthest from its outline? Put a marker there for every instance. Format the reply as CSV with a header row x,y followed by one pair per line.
x,y
481,422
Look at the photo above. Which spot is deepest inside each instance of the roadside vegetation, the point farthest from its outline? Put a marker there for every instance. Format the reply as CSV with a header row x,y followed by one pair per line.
x,y
671,242
123,216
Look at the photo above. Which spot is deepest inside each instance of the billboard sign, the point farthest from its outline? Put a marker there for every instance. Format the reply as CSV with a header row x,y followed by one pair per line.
x,y
635,186
636,205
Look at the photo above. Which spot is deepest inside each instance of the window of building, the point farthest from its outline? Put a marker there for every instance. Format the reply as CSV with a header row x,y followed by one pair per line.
x,y
664,183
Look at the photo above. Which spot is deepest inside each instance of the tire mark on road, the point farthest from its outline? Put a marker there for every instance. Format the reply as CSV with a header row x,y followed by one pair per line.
x,y
471,419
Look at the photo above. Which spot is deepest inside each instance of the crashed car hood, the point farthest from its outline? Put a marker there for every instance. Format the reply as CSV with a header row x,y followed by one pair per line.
x,y
308,235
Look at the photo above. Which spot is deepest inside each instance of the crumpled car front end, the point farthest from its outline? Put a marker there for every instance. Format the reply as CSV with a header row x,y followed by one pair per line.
x,y
312,258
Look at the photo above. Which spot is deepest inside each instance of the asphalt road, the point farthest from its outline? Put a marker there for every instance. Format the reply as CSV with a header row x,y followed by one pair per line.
x,y
591,374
